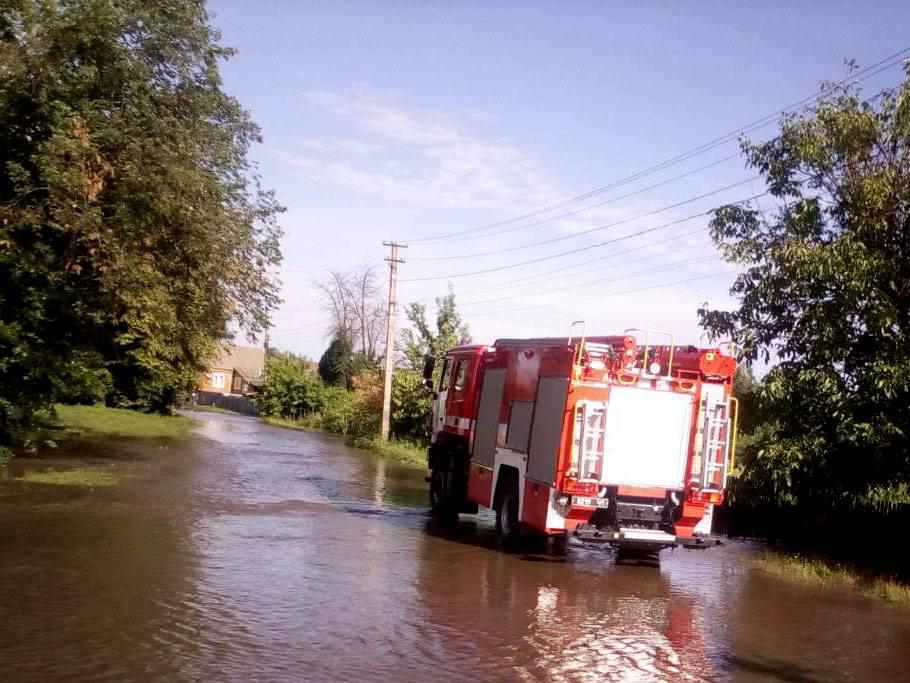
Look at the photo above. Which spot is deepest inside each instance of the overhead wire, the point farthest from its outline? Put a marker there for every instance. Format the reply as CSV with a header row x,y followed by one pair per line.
x,y
642,190
574,267
863,74
704,258
607,295
549,257
589,231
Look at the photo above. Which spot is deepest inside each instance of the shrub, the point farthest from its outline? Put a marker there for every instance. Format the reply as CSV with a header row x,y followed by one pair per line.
x,y
411,407
337,410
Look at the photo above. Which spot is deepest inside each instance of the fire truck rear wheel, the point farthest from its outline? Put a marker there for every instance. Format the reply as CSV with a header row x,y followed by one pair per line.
x,y
507,525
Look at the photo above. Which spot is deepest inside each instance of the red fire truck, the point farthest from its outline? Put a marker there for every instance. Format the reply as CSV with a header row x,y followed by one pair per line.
x,y
608,438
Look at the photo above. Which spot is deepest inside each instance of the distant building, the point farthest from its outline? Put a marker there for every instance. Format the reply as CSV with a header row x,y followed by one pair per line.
x,y
235,370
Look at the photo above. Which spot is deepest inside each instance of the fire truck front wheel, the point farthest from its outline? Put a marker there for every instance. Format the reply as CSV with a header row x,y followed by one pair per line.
x,y
441,499
508,527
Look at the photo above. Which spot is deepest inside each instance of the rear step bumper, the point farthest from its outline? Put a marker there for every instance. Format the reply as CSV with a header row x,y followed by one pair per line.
x,y
653,539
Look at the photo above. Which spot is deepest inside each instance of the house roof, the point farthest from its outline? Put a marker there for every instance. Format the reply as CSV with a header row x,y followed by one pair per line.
x,y
249,361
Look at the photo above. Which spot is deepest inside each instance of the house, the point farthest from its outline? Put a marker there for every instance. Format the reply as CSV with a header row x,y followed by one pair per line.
x,y
235,370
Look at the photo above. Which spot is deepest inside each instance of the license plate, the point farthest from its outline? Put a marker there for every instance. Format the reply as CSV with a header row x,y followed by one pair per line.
x,y
590,502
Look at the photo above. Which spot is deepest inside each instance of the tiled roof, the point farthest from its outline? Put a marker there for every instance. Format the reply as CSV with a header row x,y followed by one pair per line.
x,y
248,360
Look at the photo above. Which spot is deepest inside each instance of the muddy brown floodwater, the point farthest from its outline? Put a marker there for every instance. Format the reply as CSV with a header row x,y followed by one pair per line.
x,y
251,553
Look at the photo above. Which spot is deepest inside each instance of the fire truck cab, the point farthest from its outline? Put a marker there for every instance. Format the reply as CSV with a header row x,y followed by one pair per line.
x,y
606,438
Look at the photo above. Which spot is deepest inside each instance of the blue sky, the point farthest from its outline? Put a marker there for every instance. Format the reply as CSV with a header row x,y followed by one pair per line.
x,y
389,120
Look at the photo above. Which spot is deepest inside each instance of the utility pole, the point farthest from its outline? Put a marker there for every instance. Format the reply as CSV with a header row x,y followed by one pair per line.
x,y
393,260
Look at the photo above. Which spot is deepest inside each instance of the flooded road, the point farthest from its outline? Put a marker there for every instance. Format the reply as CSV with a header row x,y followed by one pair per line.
x,y
251,553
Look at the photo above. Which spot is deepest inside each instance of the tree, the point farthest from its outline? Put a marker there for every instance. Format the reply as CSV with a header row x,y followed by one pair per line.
x,y
422,341
132,223
826,292
337,304
335,364
369,311
355,309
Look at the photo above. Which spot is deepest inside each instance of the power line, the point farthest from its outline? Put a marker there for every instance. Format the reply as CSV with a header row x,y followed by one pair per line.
x,y
597,281
642,190
599,228
605,295
857,77
452,276
575,267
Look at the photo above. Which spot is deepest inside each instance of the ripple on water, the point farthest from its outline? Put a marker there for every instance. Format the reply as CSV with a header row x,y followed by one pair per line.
x,y
265,554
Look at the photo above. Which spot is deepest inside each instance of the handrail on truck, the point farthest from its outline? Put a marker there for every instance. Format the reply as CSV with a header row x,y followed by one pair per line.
x,y
644,361
734,402
576,361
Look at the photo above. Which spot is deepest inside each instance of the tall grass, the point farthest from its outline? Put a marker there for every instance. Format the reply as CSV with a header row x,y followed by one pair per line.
x,y
819,572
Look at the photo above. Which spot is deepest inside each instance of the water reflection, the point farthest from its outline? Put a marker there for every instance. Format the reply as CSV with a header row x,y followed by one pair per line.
x,y
634,638
266,554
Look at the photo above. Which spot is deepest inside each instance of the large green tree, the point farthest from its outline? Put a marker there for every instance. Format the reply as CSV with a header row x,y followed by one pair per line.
x,y
421,340
132,224
825,295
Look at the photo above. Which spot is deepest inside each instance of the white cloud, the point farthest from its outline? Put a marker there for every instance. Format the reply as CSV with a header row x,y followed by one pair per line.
x,y
423,160
349,146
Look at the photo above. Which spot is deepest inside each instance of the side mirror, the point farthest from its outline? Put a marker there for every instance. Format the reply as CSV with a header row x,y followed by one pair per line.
x,y
428,364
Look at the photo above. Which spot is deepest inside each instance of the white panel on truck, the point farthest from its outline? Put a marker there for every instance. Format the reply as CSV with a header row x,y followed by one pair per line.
x,y
647,437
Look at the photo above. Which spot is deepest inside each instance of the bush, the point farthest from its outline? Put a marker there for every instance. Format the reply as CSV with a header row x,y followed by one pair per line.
x,y
367,400
337,410
411,407
293,390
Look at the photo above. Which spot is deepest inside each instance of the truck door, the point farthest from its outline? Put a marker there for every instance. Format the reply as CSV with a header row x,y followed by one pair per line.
x,y
439,402
459,393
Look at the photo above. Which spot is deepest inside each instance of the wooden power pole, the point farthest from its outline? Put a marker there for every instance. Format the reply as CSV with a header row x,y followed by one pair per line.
x,y
393,260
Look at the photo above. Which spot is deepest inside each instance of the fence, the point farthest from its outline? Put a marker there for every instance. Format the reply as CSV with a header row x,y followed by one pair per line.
x,y
236,404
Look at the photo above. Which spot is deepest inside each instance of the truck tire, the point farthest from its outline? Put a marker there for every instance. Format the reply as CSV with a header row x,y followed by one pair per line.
x,y
442,503
508,528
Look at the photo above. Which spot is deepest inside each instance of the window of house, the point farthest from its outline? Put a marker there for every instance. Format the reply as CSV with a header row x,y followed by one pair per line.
x,y
218,380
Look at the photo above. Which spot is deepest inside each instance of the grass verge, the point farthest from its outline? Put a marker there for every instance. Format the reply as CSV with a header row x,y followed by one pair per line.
x,y
400,451
301,425
76,421
209,409
821,573
90,477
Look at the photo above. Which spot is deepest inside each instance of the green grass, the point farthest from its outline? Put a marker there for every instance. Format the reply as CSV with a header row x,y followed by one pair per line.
x,y
302,425
89,476
819,572
399,451
101,421
209,409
